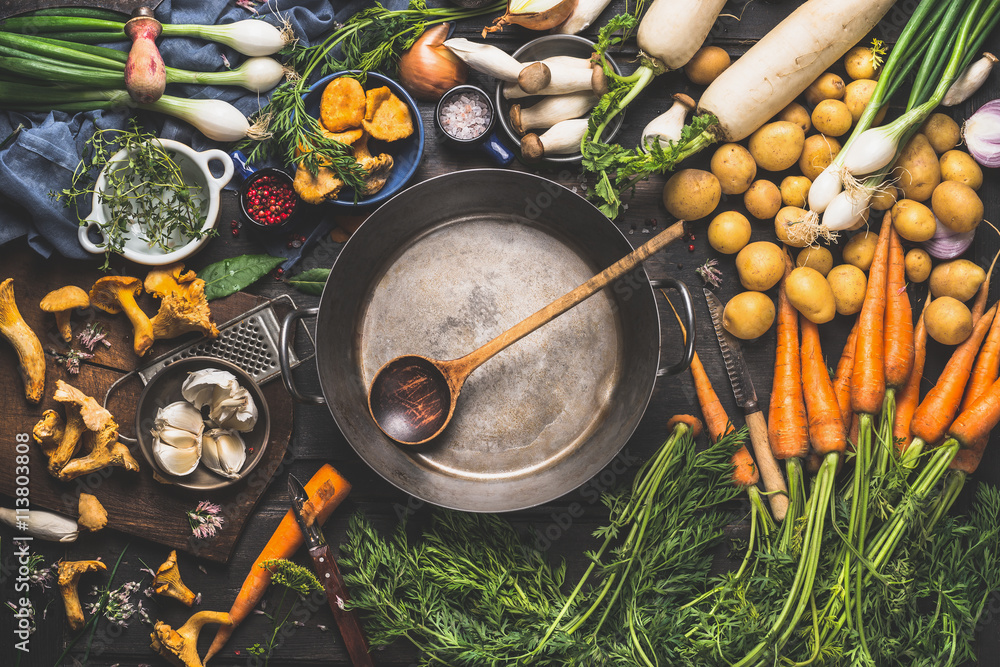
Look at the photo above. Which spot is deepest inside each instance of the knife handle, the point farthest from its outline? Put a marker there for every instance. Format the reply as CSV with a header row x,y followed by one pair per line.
x,y
774,479
336,594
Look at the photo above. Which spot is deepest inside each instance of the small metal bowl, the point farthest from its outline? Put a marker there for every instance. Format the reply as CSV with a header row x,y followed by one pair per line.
x,y
540,49
487,141
164,388
250,175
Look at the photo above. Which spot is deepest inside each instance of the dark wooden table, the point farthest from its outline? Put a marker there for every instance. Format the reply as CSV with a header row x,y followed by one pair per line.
x,y
564,526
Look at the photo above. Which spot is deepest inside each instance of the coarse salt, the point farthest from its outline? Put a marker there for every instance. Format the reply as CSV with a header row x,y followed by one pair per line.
x,y
465,116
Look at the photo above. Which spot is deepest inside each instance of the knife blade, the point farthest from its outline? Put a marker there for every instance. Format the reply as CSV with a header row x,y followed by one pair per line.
x,y
746,398
329,575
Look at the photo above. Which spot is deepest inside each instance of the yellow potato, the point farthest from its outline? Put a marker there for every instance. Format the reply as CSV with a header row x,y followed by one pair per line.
x,y
848,283
795,113
748,315
856,98
733,165
860,63
828,86
818,152
913,221
959,166
795,190
762,199
815,257
777,146
691,194
832,118
859,251
785,223
917,169
942,132
959,279
948,320
885,198
957,206
729,232
918,265
810,293
760,265
707,64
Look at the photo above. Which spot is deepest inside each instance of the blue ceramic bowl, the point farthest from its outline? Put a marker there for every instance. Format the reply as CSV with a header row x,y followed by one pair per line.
x,y
406,153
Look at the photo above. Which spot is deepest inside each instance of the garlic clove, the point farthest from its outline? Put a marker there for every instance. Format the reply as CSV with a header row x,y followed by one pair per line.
x,y
230,405
238,412
180,415
178,461
177,437
224,452
202,387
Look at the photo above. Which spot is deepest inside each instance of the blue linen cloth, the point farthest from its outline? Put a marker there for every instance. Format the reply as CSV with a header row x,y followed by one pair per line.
x,y
42,157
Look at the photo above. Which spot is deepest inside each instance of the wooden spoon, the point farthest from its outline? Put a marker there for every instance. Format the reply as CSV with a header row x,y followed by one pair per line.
x,y
412,398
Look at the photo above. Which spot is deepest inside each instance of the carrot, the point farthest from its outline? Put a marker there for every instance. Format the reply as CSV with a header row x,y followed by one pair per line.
x,y
979,305
987,367
935,413
967,459
826,427
842,377
909,397
978,420
716,420
787,428
898,327
868,381
330,488
690,421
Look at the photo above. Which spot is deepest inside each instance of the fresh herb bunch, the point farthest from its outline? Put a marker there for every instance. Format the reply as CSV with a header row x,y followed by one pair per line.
x,y
145,195
291,577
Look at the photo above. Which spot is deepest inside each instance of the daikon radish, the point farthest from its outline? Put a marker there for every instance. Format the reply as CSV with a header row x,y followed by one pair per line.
x,y
784,62
672,31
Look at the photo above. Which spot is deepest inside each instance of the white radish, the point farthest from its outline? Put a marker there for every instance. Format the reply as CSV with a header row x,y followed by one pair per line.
x,y
486,59
672,31
583,15
785,61
550,111
563,138
668,125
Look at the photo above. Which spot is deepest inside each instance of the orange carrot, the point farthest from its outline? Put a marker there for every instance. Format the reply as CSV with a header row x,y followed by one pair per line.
x,y
329,489
787,428
842,378
898,336
979,305
716,420
690,421
967,460
745,472
852,434
909,397
826,427
987,367
868,381
976,423
935,413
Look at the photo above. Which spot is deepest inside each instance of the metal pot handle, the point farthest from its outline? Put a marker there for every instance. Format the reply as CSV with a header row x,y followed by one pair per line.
x,y
284,345
689,325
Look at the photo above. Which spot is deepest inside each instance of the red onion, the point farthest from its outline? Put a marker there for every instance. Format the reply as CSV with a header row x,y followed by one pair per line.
x,y
946,244
982,134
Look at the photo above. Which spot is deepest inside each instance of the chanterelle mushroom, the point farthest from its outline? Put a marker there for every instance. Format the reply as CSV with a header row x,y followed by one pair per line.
x,y
61,303
168,581
184,307
114,294
83,413
377,168
30,355
69,578
180,646
93,516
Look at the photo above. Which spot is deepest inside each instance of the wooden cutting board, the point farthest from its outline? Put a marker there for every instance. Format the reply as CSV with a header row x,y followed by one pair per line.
x,y
136,503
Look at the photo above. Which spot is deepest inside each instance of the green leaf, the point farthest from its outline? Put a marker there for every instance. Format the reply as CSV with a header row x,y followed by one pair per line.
x,y
311,281
233,274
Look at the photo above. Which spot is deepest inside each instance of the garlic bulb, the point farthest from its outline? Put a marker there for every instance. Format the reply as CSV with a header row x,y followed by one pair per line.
x,y
177,438
224,452
42,525
230,405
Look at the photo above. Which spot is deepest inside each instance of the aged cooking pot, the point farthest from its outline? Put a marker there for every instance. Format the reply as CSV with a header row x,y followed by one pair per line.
x,y
442,268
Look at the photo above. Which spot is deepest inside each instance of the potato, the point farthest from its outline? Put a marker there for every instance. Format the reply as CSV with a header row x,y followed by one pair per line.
x,y
885,198
917,169
832,118
762,199
913,221
848,284
815,257
942,132
760,265
734,167
960,279
948,320
918,265
859,251
795,190
784,225
957,206
707,64
828,86
729,232
860,63
856,98
795,113
748,315
691,194
811,294
777,146
959,166
817,153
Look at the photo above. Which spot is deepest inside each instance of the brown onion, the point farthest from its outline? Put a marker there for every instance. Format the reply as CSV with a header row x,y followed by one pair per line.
x,y
429,69
533,14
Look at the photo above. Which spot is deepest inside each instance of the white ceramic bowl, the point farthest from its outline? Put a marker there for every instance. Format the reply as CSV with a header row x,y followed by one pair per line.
x,y
195,167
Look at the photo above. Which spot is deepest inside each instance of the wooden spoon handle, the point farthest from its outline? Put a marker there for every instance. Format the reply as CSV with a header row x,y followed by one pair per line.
x,y
465,365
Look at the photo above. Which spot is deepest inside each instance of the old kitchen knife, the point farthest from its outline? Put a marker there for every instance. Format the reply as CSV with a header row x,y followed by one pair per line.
x,y
746,398
329,576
